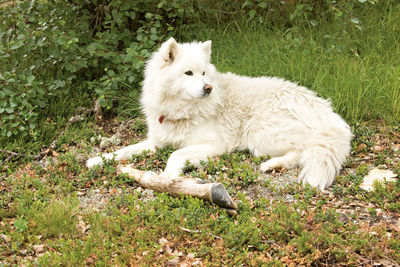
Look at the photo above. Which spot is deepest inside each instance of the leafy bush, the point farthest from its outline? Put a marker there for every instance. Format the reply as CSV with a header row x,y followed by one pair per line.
x,y
58,46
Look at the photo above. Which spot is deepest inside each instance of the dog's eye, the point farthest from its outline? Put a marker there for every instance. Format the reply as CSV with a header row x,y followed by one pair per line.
x,y
204,73
189,72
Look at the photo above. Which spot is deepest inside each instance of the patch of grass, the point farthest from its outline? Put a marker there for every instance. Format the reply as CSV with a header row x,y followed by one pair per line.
x,y
42,208
356,69
57,218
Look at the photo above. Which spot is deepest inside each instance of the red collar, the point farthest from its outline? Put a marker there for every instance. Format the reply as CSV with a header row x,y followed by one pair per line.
x,y
161,119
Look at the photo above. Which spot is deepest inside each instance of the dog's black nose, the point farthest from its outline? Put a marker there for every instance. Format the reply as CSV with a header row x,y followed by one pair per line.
x,y
207,89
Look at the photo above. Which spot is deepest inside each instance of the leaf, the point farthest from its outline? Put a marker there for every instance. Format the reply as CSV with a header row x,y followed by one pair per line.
x,y
30,79
60,84
12,102
148,15
71,67
252,13
313,23
246,3
16,45
111,73
263,4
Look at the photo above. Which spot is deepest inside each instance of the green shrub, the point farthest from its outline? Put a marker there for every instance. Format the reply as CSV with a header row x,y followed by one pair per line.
x,y
62,46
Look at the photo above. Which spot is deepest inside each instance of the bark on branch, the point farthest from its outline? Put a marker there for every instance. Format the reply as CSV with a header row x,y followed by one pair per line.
x,y
212,192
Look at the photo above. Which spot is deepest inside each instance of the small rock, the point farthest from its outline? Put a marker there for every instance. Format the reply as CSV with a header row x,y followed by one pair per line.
x,y
197,262
338,203
172,262
379,212
377,175
145,253
76,118
384,263
377,148
148,193
113,140
38,249
343,218
81,225
5,238
396,147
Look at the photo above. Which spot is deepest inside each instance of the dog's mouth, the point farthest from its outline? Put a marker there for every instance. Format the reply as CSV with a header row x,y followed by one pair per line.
x,y
205,94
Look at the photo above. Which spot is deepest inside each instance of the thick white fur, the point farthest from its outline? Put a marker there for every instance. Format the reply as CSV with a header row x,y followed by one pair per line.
x,y
267,115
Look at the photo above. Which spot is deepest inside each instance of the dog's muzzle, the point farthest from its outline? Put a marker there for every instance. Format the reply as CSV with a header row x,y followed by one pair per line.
x,y
207,89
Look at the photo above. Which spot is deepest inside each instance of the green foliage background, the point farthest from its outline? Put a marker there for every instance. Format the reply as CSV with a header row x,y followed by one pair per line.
x,y
50,49
56,50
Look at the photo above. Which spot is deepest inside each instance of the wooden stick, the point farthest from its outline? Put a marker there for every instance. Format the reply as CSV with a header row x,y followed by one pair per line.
x,y
212,192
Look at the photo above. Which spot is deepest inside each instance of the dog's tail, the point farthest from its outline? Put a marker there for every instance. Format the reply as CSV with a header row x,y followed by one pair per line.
x,y
321,161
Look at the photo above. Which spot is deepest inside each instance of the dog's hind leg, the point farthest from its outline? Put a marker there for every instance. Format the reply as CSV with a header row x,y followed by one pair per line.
x,y
123,153
288,161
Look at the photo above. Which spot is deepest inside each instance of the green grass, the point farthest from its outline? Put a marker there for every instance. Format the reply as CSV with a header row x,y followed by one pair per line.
x,y
357,69
57,206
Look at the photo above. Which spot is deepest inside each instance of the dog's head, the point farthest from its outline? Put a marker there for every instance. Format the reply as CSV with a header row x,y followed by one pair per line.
x,y
184,69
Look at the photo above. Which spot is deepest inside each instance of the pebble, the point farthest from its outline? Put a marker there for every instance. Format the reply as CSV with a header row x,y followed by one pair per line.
x,y
38,248
5,238
190,255
377,148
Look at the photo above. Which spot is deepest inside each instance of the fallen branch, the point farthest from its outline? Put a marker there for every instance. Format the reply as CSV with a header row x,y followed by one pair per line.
x,y
212,192
11,155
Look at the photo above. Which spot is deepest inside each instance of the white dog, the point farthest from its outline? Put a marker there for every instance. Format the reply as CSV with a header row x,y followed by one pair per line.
x,y
203,113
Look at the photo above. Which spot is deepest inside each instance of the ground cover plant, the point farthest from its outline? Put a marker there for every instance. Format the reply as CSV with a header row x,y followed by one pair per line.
x,y
55,211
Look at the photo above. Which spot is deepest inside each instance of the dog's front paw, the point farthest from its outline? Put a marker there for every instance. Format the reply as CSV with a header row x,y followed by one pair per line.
x,y
94,161
267,166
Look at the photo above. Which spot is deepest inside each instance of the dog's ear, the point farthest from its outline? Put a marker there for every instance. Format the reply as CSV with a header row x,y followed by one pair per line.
x,y
169,50
206,46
